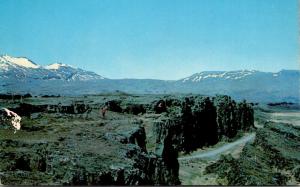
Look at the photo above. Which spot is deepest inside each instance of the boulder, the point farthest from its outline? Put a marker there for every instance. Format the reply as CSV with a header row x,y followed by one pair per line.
x,y
114,105
10,119
135,109
160,107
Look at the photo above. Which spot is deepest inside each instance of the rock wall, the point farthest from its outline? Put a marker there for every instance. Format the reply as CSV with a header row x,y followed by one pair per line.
x,y
159,168
232,116
167,146
200,121
200,126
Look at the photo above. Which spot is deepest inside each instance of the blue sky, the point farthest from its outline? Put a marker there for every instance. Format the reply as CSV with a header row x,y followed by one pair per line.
x,y
161,39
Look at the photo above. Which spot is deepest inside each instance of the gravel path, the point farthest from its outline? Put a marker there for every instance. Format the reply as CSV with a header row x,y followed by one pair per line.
x,y
219,150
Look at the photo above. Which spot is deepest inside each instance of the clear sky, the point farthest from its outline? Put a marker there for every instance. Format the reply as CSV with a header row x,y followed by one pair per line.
x,y
161,39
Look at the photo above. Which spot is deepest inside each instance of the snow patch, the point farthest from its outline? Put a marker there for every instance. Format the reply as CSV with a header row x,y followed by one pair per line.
x,y
4,67
20,61
56,66
197,78
234,75
186,79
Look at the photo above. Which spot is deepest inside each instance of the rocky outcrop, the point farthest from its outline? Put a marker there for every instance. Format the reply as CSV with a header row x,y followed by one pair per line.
x,y
112,151
136,136
245,116
26,109
47,96
296,173
200,126
168,143
161,167
232,116
9,119
46,163
14,96
83,171
74,108
114,105
135,109
125,107
201,121
160,107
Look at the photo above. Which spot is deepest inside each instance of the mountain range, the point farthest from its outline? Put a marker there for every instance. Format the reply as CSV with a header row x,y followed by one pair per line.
x,y
21,75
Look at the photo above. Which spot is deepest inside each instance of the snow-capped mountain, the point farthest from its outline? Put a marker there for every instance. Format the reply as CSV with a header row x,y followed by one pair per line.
x,y
21,75
23,68
249,84
20,61
225,75
68,72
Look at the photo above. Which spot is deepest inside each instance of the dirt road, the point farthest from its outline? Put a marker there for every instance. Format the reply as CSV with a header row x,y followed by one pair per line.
x,y
220,150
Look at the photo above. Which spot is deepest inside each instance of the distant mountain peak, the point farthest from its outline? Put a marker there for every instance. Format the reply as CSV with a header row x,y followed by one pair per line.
x,y
21,67
56,66
204,75
19,61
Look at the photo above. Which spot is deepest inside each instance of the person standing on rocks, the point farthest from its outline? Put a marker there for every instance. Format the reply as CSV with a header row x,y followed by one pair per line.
x,y
103,111
160,105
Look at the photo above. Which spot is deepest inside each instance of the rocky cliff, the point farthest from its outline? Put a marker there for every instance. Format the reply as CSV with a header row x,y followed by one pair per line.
x,y
199,121
56,145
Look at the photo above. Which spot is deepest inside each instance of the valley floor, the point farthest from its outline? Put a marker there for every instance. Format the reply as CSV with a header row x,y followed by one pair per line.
x,y
292,117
